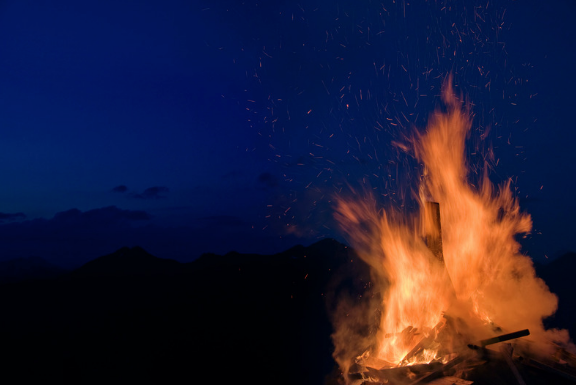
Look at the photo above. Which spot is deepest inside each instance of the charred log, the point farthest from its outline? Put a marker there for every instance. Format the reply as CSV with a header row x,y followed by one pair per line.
x,y
501,338
434,231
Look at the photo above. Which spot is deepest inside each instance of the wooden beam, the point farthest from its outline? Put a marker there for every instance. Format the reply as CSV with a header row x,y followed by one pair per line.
x,y
434,230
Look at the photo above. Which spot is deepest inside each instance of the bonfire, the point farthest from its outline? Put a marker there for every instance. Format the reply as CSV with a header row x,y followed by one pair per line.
x,y
454,288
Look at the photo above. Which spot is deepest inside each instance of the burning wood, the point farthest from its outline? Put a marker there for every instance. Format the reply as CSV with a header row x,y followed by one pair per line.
x,y
424,373
424,344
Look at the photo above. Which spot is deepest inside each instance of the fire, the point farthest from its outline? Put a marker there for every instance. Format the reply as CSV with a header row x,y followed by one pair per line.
x,y
478,276
415,288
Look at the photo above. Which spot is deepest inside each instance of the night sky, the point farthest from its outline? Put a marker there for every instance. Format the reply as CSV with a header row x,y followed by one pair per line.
x,y
209,126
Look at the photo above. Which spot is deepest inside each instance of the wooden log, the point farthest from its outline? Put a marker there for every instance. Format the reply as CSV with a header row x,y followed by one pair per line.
x,y
400,375
434,230
501,338
440,371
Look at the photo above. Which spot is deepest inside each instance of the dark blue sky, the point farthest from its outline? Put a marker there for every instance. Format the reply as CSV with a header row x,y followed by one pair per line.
x,y
189,127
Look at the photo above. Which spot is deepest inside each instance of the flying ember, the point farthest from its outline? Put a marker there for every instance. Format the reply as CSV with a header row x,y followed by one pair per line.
x,y
439,288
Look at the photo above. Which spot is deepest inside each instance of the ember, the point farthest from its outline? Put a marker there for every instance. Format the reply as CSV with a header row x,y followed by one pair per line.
x,y
445,291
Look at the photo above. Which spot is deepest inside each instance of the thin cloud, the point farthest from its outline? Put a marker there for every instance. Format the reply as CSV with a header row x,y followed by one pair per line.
x,y
72,237
156,192
6,217
97,217
222,220
267,180
120,189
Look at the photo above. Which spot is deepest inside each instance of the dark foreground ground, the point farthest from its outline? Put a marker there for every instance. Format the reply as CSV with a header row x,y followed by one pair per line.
x,y
130,317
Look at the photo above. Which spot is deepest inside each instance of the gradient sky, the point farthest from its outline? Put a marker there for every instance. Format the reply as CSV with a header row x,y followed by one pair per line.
x,y
209,126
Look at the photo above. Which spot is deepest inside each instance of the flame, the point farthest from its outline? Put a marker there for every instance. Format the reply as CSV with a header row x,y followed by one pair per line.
x,y
481,277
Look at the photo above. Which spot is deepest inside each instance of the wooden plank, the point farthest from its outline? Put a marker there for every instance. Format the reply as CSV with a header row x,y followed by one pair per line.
x,y
506,350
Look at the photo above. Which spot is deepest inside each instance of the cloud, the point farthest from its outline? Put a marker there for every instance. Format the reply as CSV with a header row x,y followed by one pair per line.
x,y
73,237
5,217
98,217
120,189
222,220
267,180
156,192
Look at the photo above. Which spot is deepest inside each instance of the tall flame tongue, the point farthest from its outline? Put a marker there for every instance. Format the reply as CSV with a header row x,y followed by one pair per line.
x,y
482,277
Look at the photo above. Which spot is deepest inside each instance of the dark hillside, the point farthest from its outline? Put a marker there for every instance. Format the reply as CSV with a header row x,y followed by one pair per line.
x,y
26,269
131,317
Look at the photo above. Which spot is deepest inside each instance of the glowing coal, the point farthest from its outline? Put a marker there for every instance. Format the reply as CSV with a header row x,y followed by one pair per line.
x,y
480,278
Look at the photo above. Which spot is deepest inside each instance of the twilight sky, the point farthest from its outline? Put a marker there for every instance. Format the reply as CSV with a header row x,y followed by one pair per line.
x,y
210,126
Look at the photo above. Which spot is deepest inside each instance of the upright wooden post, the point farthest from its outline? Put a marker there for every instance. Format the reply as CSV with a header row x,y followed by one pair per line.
x,y
434,231
434,239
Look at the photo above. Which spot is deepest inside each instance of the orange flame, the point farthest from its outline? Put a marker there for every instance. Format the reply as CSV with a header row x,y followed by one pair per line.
x,y
483,277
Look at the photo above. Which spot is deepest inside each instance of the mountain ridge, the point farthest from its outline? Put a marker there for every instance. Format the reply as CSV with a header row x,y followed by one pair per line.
x,y
138,318
28,268
262,317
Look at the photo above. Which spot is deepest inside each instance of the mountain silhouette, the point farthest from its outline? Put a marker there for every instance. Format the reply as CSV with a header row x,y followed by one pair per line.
x,y
130,317
30,268
127,261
